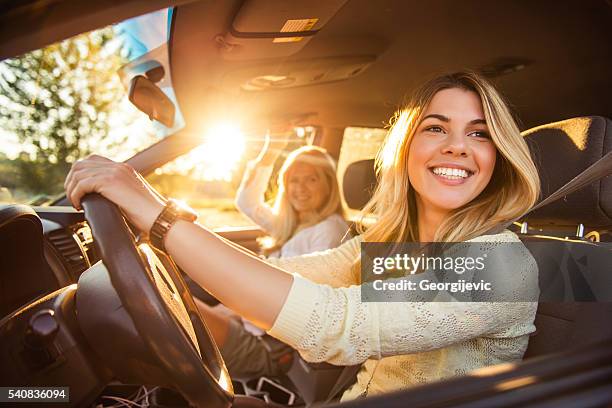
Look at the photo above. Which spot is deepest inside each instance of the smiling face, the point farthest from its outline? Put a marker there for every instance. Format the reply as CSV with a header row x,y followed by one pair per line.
x,y
451,157
307,188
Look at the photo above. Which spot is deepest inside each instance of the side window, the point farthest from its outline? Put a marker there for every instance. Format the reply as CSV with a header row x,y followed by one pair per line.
x,y
358,144
208,177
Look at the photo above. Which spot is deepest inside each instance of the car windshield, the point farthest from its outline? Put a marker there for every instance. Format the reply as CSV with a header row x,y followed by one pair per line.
x,y
70,99
67,100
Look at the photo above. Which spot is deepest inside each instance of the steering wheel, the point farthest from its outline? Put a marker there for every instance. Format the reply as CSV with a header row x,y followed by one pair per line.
x,y
141,318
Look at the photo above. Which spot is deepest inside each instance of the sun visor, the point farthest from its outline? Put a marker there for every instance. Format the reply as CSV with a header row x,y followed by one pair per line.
x,y
275,28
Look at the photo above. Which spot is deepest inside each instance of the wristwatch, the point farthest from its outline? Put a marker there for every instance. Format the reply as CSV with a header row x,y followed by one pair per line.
x,y
173,211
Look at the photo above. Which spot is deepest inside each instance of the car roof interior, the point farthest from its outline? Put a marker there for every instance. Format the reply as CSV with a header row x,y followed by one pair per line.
x,y
552,60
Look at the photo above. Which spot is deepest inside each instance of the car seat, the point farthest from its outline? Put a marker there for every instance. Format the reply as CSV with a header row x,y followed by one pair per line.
x,y
575,308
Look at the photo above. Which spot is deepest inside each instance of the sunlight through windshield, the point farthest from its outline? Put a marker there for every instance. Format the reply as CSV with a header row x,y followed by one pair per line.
x,y
67,100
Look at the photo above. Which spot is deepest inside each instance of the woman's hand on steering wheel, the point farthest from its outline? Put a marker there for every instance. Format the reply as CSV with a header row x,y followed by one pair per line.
x,y
119,183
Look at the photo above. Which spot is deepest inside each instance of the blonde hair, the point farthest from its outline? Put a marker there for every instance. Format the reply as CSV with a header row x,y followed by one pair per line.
x,y
513,189
286,221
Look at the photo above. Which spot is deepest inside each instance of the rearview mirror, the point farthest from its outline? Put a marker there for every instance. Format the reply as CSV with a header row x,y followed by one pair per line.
x,y
148,98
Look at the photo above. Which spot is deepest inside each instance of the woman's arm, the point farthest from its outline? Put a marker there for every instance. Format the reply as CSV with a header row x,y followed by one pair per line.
x,y
250,195
333,267
242,282
238,279
335,325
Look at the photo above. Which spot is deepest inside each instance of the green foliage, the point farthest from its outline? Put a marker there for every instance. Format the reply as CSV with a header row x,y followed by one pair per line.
x,y
58,101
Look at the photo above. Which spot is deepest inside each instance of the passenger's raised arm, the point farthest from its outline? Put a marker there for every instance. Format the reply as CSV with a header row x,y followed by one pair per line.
x,y
250,198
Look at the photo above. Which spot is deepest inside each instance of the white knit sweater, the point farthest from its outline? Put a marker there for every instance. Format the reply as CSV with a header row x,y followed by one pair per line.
x,y
402,344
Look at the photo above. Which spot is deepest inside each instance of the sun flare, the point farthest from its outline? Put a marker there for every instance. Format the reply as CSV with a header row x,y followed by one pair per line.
x,y
221,151
217,157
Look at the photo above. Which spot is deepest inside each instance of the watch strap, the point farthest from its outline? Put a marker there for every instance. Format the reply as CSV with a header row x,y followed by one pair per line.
x,y
166,219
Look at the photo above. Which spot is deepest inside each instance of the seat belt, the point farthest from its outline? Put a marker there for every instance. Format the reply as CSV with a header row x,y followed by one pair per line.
x,y
598,170
346,378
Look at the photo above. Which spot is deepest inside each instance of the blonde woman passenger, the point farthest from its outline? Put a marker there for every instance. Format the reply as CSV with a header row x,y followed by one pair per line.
x,y
306,215
453,167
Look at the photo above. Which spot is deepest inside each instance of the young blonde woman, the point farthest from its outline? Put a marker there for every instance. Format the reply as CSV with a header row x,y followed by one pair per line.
x,y
454,166
307,214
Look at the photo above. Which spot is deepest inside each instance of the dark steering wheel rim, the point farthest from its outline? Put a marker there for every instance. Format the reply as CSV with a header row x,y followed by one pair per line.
x,y
195,369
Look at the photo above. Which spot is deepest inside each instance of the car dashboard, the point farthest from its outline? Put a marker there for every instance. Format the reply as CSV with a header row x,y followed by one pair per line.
x,y
69,247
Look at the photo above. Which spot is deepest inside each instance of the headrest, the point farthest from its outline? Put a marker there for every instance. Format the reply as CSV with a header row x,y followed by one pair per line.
x,y
561,151
358,183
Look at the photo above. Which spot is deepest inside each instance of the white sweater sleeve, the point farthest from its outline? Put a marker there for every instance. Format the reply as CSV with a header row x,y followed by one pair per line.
x,y
250,196
334,325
